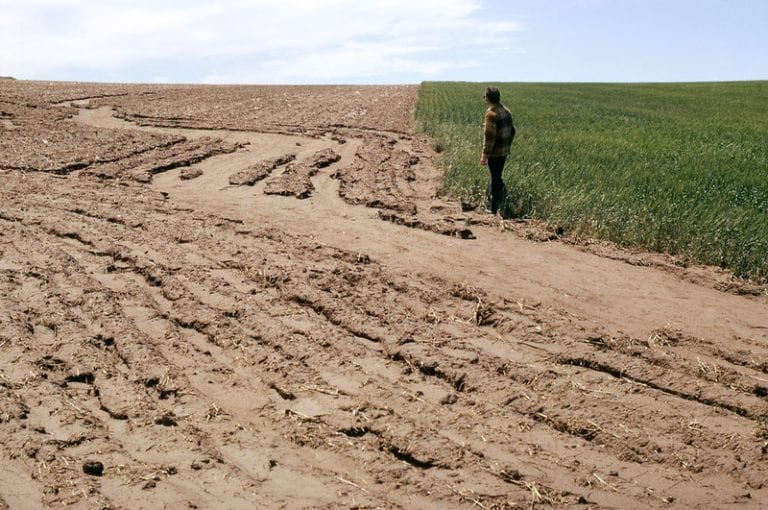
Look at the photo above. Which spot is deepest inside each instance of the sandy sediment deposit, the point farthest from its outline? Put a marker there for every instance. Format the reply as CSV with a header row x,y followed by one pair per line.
x,y
249,297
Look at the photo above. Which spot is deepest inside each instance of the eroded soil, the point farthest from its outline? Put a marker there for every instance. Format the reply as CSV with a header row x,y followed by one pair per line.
x,y
249,297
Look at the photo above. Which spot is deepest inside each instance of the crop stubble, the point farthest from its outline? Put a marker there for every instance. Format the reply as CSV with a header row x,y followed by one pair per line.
x,y
155,354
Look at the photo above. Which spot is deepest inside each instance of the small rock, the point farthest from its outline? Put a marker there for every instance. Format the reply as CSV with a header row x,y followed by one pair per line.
x,y
93,468
190,173
166,421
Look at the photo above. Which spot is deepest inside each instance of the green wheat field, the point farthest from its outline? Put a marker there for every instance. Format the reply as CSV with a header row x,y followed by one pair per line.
x,y
674,168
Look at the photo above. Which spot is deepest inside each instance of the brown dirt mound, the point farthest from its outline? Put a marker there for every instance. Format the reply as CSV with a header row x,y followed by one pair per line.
x,y
259,171
295,180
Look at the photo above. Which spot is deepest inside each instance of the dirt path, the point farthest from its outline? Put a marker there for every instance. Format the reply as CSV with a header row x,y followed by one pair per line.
x,y
204,344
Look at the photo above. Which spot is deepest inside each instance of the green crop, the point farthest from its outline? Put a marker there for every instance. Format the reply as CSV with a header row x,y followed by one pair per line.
x,y
675,168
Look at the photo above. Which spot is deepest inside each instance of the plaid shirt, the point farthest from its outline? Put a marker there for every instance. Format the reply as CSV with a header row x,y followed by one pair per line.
x,y
499,131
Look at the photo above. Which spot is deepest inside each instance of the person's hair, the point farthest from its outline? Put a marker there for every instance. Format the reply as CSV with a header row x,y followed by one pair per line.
x,y
493,95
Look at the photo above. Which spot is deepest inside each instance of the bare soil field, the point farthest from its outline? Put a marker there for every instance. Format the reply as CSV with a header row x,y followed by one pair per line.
x,y
250,297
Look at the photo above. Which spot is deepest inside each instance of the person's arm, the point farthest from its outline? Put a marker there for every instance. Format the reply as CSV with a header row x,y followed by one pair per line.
x,y
489,136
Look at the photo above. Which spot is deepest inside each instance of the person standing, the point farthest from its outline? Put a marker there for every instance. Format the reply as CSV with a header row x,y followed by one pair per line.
x,y
498,134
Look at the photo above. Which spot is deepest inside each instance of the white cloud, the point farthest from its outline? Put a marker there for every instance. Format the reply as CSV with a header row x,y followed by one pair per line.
x,y
255,41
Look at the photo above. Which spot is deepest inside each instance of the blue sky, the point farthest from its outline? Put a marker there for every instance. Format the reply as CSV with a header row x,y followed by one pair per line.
x,y
383,41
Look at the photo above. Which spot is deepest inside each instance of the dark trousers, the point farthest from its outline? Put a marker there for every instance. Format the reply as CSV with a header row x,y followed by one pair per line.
x,y
496,184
